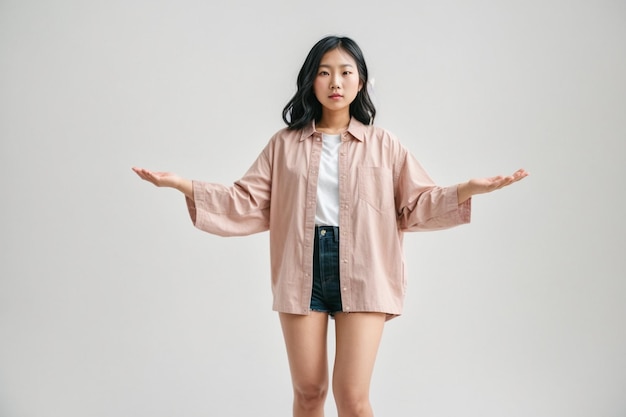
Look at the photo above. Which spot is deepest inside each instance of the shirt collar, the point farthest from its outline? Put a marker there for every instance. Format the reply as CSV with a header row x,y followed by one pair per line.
x,y
355,128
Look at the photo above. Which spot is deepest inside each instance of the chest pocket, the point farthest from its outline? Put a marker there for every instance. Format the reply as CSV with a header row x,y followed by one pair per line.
x,y
376,187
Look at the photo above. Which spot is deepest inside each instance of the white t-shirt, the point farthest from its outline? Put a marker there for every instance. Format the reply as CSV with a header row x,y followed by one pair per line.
x,y
327,213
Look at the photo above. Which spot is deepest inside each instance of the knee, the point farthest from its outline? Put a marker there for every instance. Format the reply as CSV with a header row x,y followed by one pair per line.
x,y
352,403
310,397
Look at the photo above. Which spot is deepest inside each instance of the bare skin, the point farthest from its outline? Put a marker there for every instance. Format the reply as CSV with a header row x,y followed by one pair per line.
x,y
305,339
357,335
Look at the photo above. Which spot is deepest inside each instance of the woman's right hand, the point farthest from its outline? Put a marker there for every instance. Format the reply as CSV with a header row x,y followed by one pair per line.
x,y
166,179
160,179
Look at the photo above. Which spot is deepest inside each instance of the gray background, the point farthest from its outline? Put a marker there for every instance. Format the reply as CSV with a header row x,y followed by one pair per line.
x,y
112,304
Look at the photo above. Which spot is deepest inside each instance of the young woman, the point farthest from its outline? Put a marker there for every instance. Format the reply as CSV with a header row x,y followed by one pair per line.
x,y
336,194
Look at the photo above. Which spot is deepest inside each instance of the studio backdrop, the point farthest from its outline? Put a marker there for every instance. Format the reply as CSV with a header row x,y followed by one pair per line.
x,y
113,305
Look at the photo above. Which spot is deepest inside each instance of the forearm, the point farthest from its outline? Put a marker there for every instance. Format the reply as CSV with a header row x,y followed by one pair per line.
x,y
185,186
464,192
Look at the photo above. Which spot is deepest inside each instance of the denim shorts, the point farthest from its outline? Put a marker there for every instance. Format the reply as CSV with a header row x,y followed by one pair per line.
x,y
326,295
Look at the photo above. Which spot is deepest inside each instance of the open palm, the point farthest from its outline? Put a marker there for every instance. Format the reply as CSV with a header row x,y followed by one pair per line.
x,y
160,179
486,185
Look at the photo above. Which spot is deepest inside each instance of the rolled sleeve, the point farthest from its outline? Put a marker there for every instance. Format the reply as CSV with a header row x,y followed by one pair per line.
x,y
239,210
423,205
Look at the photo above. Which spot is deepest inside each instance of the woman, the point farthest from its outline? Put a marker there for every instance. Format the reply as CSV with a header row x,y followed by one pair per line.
x,y
337,194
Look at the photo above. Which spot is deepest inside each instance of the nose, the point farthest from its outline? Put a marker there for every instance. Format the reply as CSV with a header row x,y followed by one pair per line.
x,y
335,82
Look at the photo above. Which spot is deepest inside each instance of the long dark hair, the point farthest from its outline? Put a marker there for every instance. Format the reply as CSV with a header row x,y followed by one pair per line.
x,y
304,106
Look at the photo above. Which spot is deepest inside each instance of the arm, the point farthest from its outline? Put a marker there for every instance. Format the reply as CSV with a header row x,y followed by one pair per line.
x,y
238,210
486,185
166,179
422,205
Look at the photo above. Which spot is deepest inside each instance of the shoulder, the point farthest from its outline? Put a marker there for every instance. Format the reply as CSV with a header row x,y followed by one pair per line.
x,y
370,132
289,135
376,134
379,132
283,141
283,135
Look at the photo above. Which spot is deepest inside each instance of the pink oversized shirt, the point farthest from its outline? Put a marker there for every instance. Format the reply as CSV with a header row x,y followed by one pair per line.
x,y
383,192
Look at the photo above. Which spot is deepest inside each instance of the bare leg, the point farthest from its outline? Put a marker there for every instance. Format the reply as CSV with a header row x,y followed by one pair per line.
x,y
358,337
305,338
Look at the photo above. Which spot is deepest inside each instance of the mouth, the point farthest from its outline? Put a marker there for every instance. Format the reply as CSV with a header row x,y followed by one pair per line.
x,y
335,96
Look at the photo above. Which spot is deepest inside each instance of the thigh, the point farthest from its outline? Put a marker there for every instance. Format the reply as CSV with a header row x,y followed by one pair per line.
x,y
358,336
305,340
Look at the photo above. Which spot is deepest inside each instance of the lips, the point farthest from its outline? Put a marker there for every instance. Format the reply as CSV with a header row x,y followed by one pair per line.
x,y
335,96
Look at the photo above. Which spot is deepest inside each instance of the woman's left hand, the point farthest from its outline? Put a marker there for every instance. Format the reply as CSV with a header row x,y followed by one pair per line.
x,y
487,185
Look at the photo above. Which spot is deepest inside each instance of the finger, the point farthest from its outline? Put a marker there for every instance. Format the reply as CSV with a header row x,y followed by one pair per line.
x,y
517,176
138,171
506,181
150,176
520,173
145,175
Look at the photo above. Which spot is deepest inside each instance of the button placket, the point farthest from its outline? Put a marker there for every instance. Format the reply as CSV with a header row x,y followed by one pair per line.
x,y
310,198
344,223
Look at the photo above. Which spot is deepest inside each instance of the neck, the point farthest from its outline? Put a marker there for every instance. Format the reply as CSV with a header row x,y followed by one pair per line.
x,y
333,123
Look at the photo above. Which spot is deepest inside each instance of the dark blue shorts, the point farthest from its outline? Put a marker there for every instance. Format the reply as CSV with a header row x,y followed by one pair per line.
x,y
326,296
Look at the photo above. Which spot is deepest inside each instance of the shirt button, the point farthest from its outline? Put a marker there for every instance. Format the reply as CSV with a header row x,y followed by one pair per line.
x,y
317,139
344,261
323,233
345,289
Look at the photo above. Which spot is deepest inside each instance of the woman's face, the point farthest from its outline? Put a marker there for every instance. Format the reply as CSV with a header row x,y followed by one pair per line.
x,y
337,82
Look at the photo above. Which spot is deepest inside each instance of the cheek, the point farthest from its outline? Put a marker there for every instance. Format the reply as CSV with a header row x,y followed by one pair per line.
x,y
318,87
355,86
318,82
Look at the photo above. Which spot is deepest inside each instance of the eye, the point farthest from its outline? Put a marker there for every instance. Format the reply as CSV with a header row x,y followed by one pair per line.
x,y
323,73
347,72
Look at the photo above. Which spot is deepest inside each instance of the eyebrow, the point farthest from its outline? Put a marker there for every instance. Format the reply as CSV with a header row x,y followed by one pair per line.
x,y
329,66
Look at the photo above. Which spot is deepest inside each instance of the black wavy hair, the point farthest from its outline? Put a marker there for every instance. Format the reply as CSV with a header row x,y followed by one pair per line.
x,y
304,106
